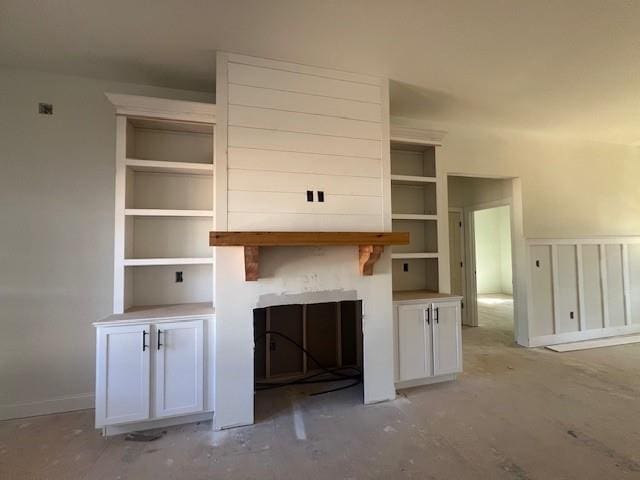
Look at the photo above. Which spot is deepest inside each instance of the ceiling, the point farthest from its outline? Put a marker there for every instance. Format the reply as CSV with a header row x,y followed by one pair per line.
x,y
568,67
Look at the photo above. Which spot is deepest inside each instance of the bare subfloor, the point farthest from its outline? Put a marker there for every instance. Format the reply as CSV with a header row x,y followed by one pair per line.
x,y
514,414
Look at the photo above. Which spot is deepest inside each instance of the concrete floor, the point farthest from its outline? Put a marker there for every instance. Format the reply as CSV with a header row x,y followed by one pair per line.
x,y
515,413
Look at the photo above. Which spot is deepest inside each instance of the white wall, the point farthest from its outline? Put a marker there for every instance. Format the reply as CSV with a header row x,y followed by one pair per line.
x,y
56,240
493,250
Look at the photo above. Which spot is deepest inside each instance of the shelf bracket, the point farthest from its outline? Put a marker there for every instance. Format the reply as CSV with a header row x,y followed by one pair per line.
x,y
369,255
251,263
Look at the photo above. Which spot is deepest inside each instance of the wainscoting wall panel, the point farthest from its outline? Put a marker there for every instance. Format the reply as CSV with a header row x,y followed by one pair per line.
x,y
583,288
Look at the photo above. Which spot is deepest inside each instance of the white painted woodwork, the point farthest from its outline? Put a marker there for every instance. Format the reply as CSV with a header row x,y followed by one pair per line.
x,y
157,166
151,107
250,180
414,199
428,337
456,253
283,202
141,262
615,288
303,103
542,290
303,222
167,191
422,274
320,85
296,162
156,285
447,338
164,201
634,283
411,180
567,301
598,277
423,236
413,255
168,236
179,368
269,119
302,142
412,216
154,212
283,129
417,135
122,374
415,359
592,288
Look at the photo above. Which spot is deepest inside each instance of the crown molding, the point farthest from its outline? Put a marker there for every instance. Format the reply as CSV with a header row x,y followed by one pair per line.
x,y
162,108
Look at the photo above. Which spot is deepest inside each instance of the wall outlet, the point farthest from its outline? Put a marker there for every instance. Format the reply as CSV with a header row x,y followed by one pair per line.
x,y
179,277
405,267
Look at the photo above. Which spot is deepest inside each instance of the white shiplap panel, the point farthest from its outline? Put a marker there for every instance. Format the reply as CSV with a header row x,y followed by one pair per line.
x,y
270,119
302,142
257,76
270,160
299,68
298,102
256,180
304,222
278,202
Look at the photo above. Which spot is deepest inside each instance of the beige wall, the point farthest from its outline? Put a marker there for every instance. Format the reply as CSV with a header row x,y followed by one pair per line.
x,y
56,234
569,187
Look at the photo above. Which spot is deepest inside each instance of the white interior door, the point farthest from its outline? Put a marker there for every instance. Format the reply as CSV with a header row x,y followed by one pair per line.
x,y
179,368
456,257
414,342
122,374
447,338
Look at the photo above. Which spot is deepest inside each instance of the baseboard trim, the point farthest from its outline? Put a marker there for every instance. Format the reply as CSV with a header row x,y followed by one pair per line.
x,y
110,430
47,407
544,340
425,381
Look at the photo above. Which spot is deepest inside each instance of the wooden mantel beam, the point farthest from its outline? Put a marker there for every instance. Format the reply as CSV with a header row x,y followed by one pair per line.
x,y
370,245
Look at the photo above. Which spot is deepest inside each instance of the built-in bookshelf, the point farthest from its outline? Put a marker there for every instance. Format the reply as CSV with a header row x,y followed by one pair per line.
x,y
414,207
164,202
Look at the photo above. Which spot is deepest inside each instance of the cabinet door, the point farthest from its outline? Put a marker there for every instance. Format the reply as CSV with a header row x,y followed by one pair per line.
x,y
122,374
447,338
179,368
414,342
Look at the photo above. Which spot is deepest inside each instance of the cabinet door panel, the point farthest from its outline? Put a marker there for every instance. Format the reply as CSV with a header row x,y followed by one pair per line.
x,y
122,374
179,368
414,342
447,339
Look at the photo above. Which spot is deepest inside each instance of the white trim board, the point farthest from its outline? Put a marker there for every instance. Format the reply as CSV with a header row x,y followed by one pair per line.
x,y
599,343
46,407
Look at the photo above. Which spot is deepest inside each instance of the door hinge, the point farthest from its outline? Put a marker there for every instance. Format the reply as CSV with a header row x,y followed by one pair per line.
x,y
461,304
460,264
460,224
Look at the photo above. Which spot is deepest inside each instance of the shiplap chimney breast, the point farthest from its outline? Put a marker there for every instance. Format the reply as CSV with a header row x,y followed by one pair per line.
x,y
284,129
293,128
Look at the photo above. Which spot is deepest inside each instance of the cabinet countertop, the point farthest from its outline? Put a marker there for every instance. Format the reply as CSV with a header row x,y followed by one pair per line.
x,y
415,295
160,313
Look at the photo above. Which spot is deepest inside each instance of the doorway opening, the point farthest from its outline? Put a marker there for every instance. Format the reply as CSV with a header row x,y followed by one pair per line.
x,y
482,242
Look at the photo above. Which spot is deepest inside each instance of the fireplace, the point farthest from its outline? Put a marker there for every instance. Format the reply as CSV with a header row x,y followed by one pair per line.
x,y
316,345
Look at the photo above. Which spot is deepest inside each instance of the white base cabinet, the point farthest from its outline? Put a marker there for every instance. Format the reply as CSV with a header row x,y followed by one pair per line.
x,y
149,371
428,340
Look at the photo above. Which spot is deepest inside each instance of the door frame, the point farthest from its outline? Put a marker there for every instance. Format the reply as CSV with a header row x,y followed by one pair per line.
x,y
470,247
519,256
463,257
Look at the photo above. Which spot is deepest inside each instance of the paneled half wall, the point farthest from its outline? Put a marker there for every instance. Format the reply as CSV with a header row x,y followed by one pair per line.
x,y
583,288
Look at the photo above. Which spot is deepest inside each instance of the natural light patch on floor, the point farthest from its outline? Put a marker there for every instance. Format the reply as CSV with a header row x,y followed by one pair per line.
x,y
495,299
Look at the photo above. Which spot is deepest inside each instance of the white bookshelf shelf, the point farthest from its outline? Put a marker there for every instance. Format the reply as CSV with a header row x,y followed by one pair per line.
x,y
143,262
407,256
158,166
411,180
152,212
412,216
